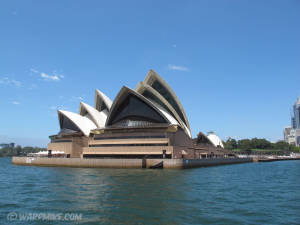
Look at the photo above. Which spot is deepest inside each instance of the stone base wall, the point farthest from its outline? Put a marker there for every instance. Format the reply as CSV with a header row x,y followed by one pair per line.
x,y
126,163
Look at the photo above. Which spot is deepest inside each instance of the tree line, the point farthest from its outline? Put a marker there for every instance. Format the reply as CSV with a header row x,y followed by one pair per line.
x,y
248,145
19,151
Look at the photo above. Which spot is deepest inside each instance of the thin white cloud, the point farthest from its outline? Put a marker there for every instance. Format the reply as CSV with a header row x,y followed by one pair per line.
x,y
7,81
16,103
48,77
34,70
58,74
178,68
53,107
174,46
76,98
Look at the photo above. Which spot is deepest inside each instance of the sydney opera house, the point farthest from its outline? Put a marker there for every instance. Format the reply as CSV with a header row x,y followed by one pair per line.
x,y
147,122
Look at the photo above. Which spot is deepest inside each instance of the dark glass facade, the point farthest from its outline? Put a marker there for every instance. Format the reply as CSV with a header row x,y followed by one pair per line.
x,y
103,106
152,97
67,124
134,112
167,95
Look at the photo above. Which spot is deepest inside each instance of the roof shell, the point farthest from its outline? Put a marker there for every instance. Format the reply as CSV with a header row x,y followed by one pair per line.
x,y
124,92
100,98
204,138
83,123
142,87
99,118
150,79
215,140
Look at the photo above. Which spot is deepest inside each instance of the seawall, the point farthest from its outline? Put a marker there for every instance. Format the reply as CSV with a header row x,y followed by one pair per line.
x,y
126,163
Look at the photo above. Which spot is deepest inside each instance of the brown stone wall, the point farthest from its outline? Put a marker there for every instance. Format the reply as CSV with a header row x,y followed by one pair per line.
x,y
180,138
66,147
130,141
180,152
128,150
182,145
78,143
135,133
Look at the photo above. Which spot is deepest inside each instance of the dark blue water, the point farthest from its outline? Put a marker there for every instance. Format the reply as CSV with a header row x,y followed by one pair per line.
x,y
252,193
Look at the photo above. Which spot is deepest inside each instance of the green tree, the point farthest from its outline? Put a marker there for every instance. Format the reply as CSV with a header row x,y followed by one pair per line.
x,y
282,145
244,144
260,143
230,144
18,150
295,149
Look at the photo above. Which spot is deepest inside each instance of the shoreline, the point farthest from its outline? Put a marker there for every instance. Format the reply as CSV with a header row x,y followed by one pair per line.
x,y
275,159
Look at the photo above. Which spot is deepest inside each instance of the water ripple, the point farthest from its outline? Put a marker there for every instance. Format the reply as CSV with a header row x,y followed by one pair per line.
x,y
252,193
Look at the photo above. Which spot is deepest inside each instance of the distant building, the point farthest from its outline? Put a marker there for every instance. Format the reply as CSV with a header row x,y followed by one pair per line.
x,y
293,122
296,109
290,137
10,145
292,133
286,133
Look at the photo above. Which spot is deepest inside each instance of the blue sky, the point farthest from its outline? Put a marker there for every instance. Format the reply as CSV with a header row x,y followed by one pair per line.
x,y
235,65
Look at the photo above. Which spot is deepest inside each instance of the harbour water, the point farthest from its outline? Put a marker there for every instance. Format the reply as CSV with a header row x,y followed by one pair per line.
x,y
250,193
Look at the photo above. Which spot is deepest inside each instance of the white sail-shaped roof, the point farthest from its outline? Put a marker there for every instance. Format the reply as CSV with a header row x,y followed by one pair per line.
x,y
217,142
99,118
153,102
172,120
187,130
84,124
162,87
122,96
102,102
154,96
